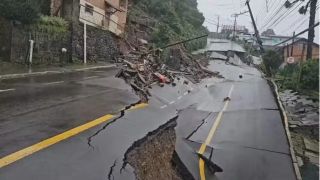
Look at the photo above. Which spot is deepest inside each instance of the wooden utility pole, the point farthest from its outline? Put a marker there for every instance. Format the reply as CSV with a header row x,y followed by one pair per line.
x,y
292,44
218,24
235,23
302,53
234,27
256,32
313,6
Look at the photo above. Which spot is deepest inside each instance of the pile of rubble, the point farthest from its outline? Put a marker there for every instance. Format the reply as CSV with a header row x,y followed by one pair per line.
x,y
303,119
143,67
301,110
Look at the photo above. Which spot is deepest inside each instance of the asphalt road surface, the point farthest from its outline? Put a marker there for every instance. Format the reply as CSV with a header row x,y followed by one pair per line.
x,y
243,135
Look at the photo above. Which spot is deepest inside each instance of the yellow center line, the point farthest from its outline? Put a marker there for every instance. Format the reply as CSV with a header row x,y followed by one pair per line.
x,y
55,139
210,135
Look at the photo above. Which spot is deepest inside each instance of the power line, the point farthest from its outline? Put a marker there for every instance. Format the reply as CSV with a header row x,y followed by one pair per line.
x,y
272,16
315,25
283,16
294,23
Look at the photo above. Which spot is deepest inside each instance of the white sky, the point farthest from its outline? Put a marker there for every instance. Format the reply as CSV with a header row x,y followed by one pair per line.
x,y
225,8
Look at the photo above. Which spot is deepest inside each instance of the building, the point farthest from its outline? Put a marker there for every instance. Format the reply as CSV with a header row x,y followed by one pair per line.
x,y
108,15
229,29
298,50
272,40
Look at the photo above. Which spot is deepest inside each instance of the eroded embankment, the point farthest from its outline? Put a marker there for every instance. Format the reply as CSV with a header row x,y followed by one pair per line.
x,y
153,157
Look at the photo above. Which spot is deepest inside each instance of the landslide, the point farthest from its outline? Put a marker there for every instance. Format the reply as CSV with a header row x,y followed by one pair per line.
x,y
161,22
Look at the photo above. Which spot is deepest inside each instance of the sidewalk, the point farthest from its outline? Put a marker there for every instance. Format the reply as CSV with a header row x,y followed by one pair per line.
x,y
11,70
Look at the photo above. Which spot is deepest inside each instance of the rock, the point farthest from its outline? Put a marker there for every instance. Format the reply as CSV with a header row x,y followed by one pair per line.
x,y
311,145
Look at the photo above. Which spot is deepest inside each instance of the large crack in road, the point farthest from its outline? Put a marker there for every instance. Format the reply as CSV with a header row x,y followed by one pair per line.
x,y
154,156
122,113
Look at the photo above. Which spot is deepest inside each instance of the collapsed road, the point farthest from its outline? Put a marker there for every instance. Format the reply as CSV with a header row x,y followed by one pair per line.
x,y
173,136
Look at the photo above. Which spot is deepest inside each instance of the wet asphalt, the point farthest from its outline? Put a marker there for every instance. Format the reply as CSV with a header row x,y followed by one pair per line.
x,y
250,142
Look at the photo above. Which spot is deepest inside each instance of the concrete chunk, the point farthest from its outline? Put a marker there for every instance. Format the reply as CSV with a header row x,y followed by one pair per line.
x,y
311,146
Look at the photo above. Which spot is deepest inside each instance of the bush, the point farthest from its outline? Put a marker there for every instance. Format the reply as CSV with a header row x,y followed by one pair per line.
x,y
301,77
56,27
310,75
272,60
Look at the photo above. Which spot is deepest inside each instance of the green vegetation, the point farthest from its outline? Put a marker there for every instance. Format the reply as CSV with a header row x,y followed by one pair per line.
x,y
56,27
271,61
24,11
302,77
176,20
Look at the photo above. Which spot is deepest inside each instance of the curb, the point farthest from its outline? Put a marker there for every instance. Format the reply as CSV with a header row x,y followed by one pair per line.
x,y
12,76
286,127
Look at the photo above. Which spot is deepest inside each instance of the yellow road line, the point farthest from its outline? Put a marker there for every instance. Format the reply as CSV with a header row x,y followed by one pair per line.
x,y
210,135
55,139
139,106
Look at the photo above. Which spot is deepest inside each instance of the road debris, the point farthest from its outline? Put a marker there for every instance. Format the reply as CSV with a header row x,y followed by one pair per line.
x,y
143,66
303,119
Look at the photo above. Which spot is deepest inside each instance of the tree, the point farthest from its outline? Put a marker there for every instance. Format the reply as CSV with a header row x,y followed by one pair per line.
x,y
272,61
24,11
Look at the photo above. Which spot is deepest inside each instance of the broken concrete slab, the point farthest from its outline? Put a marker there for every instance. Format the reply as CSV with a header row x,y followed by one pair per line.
x,y
311,145
313,157
298,123
300,161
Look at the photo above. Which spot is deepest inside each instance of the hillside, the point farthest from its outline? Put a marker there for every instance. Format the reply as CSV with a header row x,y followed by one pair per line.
x,y
164,21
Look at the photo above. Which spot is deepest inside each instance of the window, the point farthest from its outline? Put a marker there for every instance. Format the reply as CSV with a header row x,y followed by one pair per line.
x,y
88,9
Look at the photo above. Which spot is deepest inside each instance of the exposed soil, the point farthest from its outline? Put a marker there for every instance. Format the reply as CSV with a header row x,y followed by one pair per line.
x,y
153,157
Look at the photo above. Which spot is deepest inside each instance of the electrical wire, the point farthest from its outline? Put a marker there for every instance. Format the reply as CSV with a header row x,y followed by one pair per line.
x,y
283,16
271,18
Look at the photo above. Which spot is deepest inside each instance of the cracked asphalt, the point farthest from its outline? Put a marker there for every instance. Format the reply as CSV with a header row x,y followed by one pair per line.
x,y
249,142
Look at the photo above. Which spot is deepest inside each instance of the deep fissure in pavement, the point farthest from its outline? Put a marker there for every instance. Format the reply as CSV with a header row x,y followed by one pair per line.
x,y
154,156
111,170
122,113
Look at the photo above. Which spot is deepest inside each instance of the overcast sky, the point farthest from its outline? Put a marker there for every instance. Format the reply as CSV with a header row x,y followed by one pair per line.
x,y
292,21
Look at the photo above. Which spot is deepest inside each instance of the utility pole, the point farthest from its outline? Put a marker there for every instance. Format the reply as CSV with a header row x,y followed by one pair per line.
x,y
218,24
255,27
234,27
85,43
313,6
294,33
235,22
